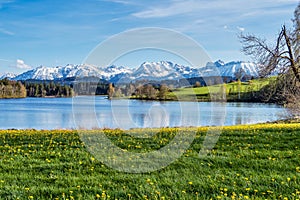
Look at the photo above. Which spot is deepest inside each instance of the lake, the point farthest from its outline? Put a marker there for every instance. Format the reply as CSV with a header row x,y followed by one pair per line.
x,y
99,112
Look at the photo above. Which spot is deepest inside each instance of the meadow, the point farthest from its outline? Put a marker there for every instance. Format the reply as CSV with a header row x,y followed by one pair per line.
x,y
235,91
248,162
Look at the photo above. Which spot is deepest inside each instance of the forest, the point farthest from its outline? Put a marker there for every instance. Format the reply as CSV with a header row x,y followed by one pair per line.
x,y
17,89
12,89
48,89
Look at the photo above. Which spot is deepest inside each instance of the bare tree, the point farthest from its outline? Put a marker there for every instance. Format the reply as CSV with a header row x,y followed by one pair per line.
x,y
110,91
282,58
149,91
163,92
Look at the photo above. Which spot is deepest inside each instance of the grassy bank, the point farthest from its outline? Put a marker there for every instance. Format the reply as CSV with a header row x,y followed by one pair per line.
x,y
235,91
248,162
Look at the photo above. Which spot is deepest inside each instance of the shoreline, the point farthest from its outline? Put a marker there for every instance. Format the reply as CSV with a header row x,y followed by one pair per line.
x,y
273,124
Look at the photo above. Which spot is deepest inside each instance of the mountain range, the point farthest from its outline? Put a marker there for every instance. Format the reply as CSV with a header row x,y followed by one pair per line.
x,y
156,71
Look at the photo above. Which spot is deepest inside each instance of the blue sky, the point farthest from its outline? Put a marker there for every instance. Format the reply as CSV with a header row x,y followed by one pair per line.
x,y
56,32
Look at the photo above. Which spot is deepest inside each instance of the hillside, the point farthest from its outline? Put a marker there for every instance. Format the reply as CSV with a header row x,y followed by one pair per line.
x,y
235,91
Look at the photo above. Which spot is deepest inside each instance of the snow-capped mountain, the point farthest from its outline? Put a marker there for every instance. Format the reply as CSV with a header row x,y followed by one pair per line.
x,y
237,69
240,68
162,70
8,75
68,71
40,73
155,71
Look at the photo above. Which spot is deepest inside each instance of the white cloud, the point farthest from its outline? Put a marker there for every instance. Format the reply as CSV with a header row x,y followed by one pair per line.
x,y
5,60
215,15
209,7
6,32
174,8
20,64
242,29
124,2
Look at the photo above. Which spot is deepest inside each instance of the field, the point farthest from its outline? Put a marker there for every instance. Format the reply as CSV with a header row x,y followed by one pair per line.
x,y
235,91
248,162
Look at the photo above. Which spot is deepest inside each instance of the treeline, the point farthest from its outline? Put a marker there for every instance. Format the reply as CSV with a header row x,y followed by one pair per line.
x,y
146,92
47,89
11,89
89,86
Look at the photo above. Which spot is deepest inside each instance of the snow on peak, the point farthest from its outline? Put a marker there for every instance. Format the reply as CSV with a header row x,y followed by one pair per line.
x,y
8,76
155,71
162,70
240,68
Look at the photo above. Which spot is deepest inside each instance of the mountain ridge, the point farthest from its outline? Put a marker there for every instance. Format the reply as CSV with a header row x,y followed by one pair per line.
x,y
162,70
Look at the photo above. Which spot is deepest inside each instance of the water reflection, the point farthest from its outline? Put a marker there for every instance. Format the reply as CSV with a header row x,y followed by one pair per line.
x,y
98,112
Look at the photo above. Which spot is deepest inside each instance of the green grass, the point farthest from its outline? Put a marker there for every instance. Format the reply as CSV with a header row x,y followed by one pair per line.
x,y
248,162
232,91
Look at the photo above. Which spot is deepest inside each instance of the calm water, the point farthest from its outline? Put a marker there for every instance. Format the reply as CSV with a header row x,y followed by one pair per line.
x,y
95,112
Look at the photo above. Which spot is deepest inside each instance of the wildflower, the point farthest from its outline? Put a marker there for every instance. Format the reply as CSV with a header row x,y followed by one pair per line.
x,y
103,195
